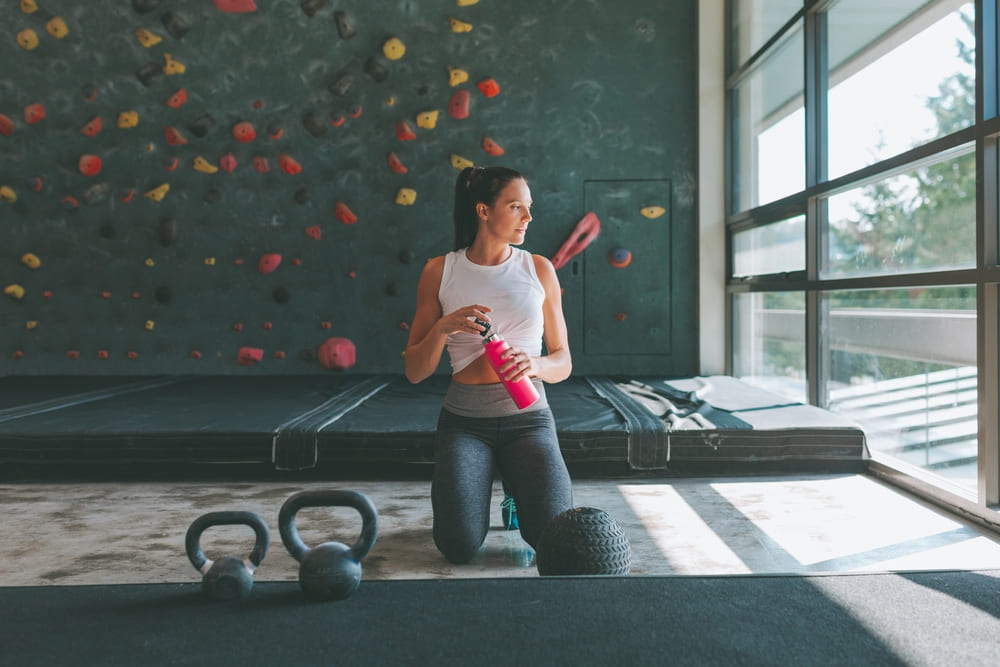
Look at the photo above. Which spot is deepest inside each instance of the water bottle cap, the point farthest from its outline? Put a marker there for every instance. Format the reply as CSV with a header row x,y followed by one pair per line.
x,y
483,323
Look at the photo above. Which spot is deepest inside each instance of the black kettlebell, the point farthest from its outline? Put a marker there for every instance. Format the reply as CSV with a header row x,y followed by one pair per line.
x,y
330,571
228,578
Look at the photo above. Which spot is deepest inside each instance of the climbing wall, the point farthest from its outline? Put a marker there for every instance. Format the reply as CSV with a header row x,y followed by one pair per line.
x,y
253,186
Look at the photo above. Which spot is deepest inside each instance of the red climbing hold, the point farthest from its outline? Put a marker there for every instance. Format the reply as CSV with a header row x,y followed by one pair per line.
x,y
248,356
268,262
344,214
337,354
89,165
6,126
586,230
337,120
227,163
93,127
395,164
404,132
33,113
355,110
314,232
244,132
288,164
126,194
170,164
458,105
174,136
492,147
34,183
489,87
235,6
261,165
177,100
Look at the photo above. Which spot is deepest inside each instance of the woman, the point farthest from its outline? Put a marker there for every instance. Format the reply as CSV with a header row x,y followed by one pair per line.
x,y
480,431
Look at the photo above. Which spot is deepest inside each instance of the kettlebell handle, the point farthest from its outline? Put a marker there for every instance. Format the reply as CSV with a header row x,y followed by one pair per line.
x,y
192,541
329,498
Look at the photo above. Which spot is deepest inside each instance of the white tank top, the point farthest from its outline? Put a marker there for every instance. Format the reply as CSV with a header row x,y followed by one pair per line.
x,y
511,289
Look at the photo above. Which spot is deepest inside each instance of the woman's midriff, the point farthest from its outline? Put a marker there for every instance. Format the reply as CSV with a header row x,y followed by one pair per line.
x,y
478,372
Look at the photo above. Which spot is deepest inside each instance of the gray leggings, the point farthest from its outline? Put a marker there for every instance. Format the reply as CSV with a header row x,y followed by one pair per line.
x,y
523,448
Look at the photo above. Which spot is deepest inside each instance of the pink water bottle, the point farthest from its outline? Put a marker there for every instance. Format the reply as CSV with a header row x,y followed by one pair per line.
x,y
523,391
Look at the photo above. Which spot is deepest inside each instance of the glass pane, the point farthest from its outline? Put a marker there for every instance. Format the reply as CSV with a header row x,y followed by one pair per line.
x,y
900,74
922,220
753,22
774,248
903,365
769,128
769,350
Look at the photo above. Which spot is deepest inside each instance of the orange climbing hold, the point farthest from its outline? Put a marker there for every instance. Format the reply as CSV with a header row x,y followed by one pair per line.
x,y
344,214
288,164
268,262
93,127
395,164
177,100
174,136
89,165
33,113
244,132
492,147
6,126
337,120
489,87
404,132
235,6
458,105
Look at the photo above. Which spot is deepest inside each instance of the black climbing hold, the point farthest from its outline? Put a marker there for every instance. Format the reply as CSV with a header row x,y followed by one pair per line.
x,y
376,70
212,196
202,125
143,6
168,231
175,24
314,125
344,26
310,7
148,72
164,294
301,196
342,84
282,295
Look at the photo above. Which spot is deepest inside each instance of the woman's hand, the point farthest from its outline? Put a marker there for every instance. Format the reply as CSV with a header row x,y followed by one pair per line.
x,y
517,364
463,320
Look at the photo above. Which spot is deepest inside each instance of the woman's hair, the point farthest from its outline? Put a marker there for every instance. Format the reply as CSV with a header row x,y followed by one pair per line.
x,y
474,185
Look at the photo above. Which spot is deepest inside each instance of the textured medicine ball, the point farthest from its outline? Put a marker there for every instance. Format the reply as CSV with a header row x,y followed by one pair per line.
x,y
583,540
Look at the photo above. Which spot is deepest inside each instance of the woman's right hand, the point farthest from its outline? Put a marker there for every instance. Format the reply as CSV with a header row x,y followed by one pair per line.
x,y
463,320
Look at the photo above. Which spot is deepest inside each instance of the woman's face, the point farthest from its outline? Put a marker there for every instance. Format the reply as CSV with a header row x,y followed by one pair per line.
x,y
508,218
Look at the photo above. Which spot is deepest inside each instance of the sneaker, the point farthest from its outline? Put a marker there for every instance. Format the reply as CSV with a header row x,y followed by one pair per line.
x,y
508,511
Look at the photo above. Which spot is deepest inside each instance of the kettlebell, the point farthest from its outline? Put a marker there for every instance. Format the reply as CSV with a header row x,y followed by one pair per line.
x,y
330,571
228,578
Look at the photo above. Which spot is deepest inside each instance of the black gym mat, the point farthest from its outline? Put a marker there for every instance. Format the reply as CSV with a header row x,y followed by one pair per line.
x,y
919,618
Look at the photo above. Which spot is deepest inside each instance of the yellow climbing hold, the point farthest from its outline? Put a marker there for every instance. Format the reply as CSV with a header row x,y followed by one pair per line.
x,y
57,27
459,26
406,197
7,195
31,324
204,166
127,119
390,101
394,48
14,291
459,162
467,3
456,76
147,38
27,39
29,6
31,260
172,66
150,324
209,261
652,212
427,119
158,193
149,262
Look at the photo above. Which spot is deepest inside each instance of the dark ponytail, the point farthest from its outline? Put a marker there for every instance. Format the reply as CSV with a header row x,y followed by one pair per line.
x,y
474,185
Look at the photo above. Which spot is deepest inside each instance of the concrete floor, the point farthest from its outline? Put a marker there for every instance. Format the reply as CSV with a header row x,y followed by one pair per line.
x,y
96,533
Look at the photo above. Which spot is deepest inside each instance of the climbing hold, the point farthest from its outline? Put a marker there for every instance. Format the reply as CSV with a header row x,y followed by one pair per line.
x,y
227,163
288,164
248,356
337,119
310,7
171,66
257,105
314,124
163,294
34,183
301,196
268,262
30,260
127,119
17,354
354,111
427,119
404,326
652,212
96,193
619,258
212,195
149,262
459,162
376,70
458,105
195,354
158,193
106,294
342,84
144,6
148,72
344,26
275,131
268,325
29,6
492,147
177,100
458,26
337,354
147,38
131,355
325,325
456,76
34,113
69,203
201,126
344,214
467,3
7,194
88,91
174,136
279,354
14,291
404,132
126,194
314,232
204,166
168,232
209,261
170,164
103,354
175,24
57,27
92,127
261,165
395,164
150,325
89,165
393,48
281,295
586,230
406,197
73,354
6,126
27,39
243,132
489,87
235,6
390,101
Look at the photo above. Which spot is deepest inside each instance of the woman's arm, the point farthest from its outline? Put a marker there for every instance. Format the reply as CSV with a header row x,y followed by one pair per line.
x,y
557,364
